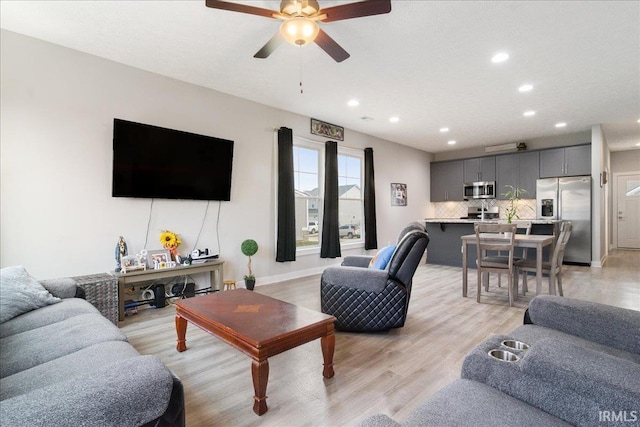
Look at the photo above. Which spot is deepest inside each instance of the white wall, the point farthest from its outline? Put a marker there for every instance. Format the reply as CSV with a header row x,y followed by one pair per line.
x,y
57,214
625,161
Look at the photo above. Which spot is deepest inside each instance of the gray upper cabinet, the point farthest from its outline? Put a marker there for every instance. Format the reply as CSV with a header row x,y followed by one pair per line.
x,y
480,169
567,161
578,160
520,170
446,181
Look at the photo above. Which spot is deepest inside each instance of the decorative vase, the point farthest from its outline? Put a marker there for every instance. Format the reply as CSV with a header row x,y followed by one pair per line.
x,y
250,283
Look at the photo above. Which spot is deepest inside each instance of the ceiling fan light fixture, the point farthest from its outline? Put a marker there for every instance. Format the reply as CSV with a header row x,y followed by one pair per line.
x,y
299,30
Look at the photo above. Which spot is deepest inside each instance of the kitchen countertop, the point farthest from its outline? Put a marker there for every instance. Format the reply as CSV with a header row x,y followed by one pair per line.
x,y
486,221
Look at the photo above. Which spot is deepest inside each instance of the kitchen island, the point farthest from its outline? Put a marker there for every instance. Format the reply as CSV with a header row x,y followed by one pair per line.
x,y
445,246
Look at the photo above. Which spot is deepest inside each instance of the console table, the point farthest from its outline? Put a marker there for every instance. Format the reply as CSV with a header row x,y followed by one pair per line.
x,y
212,267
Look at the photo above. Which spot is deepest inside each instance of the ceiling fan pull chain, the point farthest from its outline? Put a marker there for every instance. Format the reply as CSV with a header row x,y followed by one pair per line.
x,y
301,88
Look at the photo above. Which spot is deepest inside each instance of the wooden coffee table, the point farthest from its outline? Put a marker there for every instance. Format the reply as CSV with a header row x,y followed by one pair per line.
x,y
260,327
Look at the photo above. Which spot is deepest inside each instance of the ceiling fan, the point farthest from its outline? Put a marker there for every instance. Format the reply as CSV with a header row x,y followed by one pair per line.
x,y
300,22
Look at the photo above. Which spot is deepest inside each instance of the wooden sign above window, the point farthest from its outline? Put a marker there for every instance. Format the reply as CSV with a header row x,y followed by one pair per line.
x,y
327,129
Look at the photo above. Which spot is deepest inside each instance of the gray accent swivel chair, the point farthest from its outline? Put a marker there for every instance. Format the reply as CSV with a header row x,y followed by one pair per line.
x,y
367,300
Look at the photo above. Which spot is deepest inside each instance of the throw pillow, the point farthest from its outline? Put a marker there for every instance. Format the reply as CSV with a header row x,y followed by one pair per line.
x,y
21,293
382,258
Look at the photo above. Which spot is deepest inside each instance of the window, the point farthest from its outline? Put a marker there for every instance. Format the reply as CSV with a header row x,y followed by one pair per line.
x,y
308,161
350,205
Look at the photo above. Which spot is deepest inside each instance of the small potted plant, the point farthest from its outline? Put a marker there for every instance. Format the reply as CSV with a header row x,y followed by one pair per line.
x,y
513,194
249,248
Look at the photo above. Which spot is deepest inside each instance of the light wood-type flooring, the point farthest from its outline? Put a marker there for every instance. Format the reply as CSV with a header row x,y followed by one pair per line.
x,y
390,373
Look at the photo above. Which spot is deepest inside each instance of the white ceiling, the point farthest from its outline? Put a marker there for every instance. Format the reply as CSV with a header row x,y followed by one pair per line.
x,y
427,62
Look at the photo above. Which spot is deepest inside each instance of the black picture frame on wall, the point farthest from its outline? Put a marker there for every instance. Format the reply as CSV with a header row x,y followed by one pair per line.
x,y
398,194
318,127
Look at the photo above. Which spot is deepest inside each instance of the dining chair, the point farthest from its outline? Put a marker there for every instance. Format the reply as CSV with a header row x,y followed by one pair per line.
x,y
552,268
524,227
489,239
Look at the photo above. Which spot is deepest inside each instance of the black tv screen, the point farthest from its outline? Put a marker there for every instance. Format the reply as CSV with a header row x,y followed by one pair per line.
x,y
155,162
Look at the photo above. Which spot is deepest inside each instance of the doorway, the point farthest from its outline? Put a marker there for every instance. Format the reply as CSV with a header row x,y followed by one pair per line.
x,y
628,211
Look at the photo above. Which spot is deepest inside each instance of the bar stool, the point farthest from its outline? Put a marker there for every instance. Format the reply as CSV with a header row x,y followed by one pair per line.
x,y
228,284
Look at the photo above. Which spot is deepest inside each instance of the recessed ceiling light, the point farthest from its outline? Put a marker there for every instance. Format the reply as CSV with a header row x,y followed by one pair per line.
x,y
452,142
394,119
638,143
638,120
561,125
443,130
529,113
500,57
525,88
353,103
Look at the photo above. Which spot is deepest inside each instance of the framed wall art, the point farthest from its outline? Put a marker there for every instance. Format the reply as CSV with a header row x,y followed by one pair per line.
x,y
398,194
327,129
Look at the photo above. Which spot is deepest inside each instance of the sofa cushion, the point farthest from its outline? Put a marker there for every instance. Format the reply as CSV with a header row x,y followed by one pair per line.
x,y
570,382
64,287
465,402
69,307
21,293
30,348
605,324
81,363
128,392
531,334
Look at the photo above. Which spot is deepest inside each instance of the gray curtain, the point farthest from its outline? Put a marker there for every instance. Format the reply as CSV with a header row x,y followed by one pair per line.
x,y
370,227
286,245
330,247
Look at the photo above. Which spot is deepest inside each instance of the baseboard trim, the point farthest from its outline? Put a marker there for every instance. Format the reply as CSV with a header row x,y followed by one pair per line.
x,y
298,274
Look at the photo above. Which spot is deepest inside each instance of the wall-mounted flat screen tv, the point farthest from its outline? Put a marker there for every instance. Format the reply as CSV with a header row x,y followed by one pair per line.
x,y
155,162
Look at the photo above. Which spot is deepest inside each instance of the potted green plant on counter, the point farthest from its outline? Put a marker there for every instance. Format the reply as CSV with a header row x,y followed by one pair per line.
x,y
513,194
249,248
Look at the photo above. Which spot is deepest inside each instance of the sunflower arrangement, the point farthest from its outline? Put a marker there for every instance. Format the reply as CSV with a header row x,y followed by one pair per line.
x,y
171,241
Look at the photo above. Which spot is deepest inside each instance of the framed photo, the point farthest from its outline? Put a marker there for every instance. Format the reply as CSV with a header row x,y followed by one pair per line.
x,y
131,263
327,129
398,194
161,256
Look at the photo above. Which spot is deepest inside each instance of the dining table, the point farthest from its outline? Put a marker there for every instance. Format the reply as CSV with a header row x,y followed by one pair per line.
x,y
537,242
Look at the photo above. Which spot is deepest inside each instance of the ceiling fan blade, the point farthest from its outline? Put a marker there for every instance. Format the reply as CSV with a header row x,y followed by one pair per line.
x,y
237,7
330,46
356,10
271,46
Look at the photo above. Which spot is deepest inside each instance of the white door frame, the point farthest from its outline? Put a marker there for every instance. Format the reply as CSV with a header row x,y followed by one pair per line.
x,y
614,205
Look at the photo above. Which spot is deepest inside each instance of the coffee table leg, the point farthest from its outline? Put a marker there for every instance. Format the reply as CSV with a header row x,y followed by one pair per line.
x,y
328,343
181,329
260,374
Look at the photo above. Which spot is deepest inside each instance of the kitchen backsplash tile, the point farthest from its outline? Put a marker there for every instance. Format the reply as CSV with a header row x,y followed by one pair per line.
x,y
526,208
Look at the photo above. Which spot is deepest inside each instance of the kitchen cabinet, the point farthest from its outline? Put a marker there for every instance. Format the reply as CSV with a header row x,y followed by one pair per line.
x,y
446,181
520,170
566,161
480,169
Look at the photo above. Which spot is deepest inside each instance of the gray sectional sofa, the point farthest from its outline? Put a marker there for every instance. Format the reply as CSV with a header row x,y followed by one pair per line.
x,y
64,364
582,368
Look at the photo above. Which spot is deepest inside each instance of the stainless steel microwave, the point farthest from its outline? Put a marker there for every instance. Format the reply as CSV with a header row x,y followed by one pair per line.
x,y
479,190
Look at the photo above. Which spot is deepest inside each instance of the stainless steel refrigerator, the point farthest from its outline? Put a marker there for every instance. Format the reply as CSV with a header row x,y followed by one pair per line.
x,y
568,199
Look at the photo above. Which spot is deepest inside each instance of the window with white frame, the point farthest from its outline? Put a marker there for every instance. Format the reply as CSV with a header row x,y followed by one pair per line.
x,y
308,158
308,200
350,204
